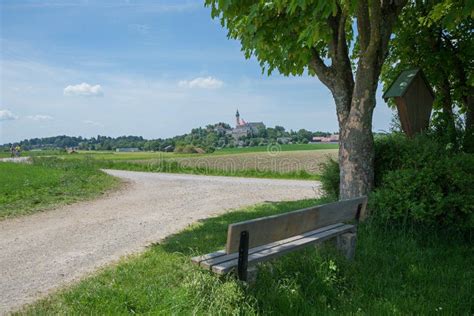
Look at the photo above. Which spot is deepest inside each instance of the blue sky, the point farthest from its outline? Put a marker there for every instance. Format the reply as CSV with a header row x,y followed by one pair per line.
x,y
149,68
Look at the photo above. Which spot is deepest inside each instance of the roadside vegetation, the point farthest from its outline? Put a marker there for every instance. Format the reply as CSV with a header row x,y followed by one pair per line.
x,y
48,183
394,272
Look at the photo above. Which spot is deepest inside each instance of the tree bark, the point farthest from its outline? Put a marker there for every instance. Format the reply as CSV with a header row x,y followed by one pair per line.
x,y
356,143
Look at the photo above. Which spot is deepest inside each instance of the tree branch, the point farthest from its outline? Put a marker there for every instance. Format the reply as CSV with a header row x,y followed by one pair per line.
x,y
363,24
325,73
344,78
375,20
390,9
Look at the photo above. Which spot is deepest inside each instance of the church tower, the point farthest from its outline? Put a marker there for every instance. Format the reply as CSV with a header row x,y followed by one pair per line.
x,y
237,118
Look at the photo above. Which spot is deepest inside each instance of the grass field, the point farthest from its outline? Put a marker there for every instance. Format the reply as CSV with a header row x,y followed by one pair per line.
x,y
280,162
301,164
47,183
112,155
282,165
277,161
394,273
276,148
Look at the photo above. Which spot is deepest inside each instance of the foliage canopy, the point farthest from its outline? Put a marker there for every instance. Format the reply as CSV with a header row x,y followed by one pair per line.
x,y
282,34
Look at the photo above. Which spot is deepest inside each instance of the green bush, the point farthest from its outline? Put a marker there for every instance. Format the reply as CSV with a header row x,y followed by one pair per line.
x,y
396,151
330,178
417,181
438,192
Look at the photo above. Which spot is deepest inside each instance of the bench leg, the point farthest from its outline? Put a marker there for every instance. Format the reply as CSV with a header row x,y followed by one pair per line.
x,y
346,243
243,256
252,273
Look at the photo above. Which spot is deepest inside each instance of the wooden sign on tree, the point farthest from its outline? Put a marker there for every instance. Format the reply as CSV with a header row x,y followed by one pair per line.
x,y
414,99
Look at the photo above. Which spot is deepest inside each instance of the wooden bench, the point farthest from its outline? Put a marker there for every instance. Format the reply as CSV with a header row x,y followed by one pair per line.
x,y
262,239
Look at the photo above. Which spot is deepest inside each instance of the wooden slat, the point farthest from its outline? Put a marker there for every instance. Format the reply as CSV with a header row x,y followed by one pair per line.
x,y
199,259
277,251
209,262
273,228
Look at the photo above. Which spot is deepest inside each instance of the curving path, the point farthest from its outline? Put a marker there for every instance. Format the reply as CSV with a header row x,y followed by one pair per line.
x,y
44,251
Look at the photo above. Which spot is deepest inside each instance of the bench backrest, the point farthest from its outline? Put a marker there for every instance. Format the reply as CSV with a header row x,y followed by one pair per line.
x,y
277,227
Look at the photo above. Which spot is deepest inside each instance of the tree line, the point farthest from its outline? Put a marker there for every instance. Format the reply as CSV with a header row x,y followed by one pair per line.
x,y
207,138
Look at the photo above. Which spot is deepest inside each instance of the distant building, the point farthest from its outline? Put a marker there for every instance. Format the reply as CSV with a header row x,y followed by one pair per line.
x,y
334,138
127,150
243,128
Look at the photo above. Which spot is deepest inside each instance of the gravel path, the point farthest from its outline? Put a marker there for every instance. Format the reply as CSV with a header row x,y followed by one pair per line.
x,y
44,251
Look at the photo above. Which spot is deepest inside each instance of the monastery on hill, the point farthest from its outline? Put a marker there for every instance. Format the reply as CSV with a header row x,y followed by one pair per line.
x,y
243,128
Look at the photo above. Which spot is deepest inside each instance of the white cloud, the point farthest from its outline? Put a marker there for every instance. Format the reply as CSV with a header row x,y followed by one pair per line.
x,y
40,117
202,82
6,115
84,89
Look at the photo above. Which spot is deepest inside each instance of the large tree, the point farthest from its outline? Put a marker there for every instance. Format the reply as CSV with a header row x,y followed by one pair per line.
x,y
321,36
438,37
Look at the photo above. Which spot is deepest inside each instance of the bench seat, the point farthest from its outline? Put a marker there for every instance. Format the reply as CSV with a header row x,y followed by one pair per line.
x,y
221,263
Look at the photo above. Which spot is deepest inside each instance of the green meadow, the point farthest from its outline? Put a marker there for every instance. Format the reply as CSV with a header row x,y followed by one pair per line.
x,y
48,183
277,148
141,155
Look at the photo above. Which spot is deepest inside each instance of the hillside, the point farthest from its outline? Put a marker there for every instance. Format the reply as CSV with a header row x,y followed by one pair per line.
x,y
208,139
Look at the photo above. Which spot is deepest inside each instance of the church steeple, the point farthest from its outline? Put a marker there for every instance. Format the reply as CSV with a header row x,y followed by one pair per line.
x,y
237,118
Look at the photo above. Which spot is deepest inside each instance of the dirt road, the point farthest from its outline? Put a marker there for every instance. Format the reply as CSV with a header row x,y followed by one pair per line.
x,y
44,251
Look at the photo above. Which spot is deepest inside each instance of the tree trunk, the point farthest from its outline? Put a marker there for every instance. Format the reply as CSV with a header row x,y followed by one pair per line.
x,y
355,99
356,143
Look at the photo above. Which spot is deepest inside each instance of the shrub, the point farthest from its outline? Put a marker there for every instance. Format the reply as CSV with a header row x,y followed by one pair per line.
x,y
330,178
396,151
417,181
438,193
